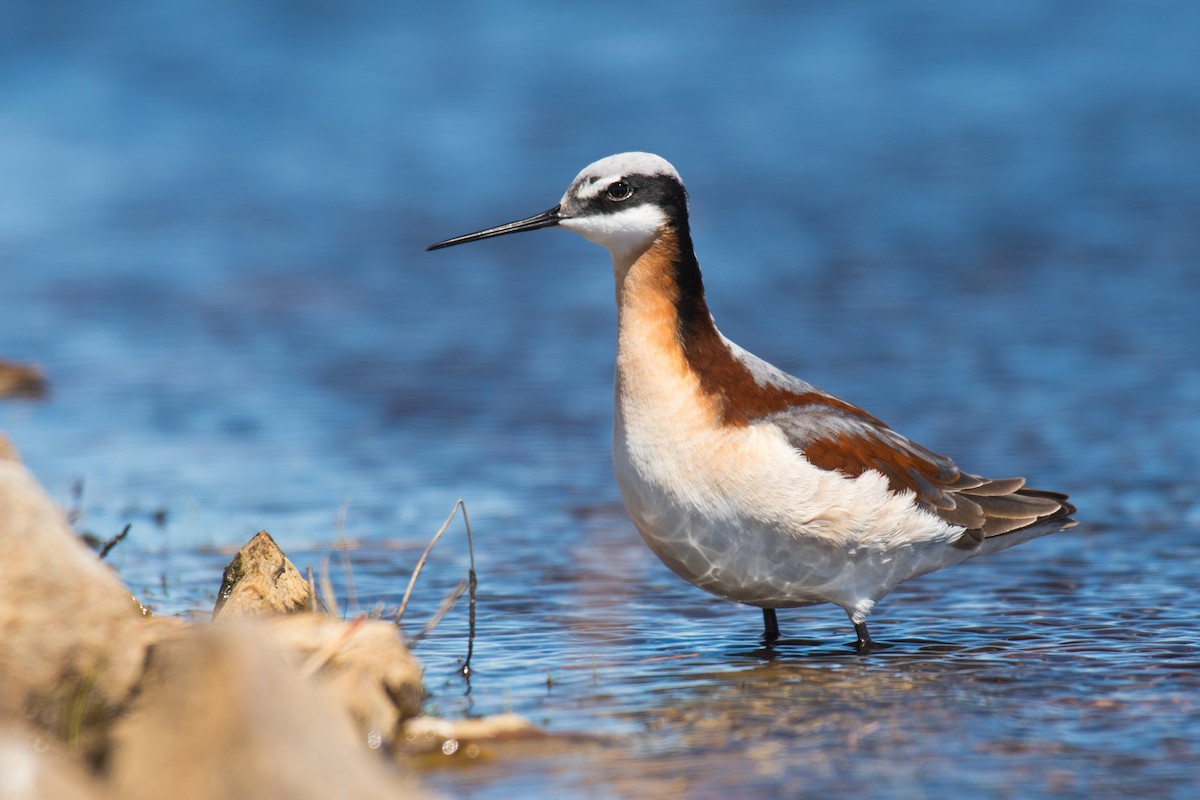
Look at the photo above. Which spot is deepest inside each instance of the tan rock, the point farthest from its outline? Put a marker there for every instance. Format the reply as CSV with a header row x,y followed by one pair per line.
x,y
449,736
222,714
21,380
73,638
363,663
32,768
7,451
260,581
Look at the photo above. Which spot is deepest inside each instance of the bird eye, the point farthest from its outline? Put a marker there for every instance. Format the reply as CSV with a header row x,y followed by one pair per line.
x,y
619,190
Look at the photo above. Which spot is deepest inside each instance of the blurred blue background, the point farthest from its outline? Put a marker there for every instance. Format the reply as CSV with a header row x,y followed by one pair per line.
x,y
980,221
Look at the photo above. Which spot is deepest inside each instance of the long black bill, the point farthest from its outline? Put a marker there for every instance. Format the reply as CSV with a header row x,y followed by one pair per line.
x,y
542,220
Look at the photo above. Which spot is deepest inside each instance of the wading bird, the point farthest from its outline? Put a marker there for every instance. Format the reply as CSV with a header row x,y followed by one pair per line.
x,y
751,484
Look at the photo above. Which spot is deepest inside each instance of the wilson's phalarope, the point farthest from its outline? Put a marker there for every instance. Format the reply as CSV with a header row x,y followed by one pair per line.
x,y
749,483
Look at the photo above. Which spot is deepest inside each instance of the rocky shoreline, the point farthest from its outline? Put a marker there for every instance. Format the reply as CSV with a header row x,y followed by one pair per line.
x,y
274,698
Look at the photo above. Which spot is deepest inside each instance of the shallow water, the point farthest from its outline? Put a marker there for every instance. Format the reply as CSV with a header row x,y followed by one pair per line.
x,y
977,221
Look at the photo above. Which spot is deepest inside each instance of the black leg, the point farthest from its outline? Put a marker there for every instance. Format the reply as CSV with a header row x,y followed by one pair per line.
x,y
864,637
770,625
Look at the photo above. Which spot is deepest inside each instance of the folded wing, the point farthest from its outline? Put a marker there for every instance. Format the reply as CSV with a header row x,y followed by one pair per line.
x,y
834,435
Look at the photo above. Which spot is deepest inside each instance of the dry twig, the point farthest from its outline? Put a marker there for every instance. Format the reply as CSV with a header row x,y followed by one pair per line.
x,y
448,603
342,545
114,541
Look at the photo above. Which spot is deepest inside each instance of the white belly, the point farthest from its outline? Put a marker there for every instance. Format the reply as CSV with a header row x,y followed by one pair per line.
x,y
741,514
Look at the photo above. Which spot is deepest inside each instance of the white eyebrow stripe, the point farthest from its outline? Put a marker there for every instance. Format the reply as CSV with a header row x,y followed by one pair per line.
x,y
589,189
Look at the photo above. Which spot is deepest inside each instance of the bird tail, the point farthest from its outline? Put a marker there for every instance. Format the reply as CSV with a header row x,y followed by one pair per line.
x,y
1034,513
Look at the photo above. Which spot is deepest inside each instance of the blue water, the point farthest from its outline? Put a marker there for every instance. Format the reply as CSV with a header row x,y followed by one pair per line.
x,y
980,221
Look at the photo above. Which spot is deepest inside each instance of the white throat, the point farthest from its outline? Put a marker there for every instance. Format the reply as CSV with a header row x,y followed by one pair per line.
x,y
626,234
